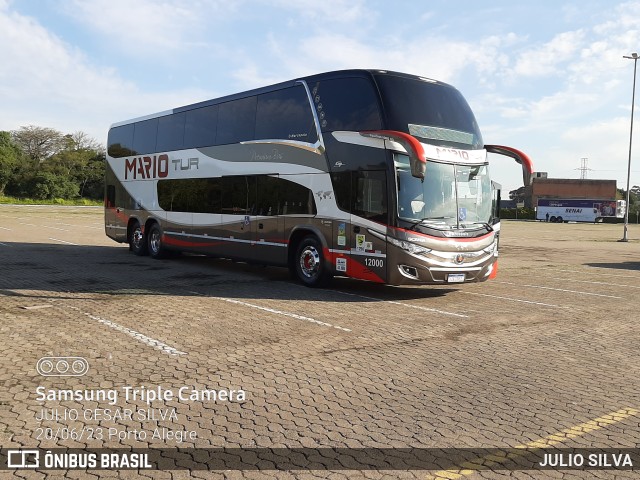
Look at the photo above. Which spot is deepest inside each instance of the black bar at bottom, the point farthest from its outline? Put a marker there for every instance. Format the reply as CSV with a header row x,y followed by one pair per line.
x,y
320,459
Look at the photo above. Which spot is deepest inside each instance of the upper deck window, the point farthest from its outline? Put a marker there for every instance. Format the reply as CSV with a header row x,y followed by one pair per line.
x,y
200,127
120,142
236,121
145,134
285,114
347,104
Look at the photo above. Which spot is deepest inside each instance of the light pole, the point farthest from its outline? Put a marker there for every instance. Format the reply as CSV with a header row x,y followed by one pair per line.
x,y
634,57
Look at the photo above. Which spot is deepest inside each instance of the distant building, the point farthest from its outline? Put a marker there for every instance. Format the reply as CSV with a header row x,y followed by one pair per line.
x,y
544,187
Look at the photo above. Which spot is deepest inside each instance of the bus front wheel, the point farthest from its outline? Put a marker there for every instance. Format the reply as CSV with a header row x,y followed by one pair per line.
x,y
310,264
137,240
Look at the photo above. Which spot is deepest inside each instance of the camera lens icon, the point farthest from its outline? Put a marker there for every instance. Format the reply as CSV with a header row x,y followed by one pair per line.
x,y
62,366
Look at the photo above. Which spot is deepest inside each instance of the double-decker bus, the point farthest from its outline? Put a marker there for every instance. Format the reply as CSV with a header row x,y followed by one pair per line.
x,y
367,174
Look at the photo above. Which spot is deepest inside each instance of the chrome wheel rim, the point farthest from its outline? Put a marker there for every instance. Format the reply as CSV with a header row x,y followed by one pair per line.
x,y
137,237
154,241
310,261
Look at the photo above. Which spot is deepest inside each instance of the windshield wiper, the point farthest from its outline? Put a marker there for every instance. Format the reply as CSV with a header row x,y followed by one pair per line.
x,y
484,224
425,221
414,223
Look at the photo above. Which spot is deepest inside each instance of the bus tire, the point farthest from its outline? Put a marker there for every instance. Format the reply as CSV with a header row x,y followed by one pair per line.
x,y
154,242
559,220
552,219
309,263
137,239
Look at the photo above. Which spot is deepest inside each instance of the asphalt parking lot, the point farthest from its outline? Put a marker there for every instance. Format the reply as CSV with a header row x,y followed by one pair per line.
x,y
546,354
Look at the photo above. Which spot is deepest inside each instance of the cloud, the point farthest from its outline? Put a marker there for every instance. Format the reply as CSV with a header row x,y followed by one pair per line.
x,y
429,56
329,12
45,81
148,27
547,59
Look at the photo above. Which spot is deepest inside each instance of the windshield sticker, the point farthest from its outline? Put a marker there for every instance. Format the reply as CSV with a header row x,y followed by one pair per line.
x,y
341,264
360,241
342,240
462,214
368,246
342,230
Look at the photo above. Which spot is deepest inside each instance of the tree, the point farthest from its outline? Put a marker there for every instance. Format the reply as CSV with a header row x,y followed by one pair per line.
x,y
48,185
38,143
84,167
61,166
82,141
10,156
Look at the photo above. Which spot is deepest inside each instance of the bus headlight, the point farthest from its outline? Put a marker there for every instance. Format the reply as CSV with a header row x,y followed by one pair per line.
x,y
492,249
409,247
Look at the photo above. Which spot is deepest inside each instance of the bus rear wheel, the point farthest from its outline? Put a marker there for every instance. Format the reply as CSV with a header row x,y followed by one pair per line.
x,y
154,242
309,263
137,240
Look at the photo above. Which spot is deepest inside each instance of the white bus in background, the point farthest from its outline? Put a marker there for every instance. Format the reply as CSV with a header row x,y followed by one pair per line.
x,y
558,210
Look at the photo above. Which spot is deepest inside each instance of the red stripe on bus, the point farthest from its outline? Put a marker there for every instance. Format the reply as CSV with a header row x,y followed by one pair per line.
x,y
443,239
354,268
494,271
184,243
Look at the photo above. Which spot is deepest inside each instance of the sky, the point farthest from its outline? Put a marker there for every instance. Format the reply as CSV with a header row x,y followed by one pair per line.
x,y
543,76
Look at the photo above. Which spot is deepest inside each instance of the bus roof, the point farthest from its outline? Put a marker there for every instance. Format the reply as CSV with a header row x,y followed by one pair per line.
x,y
278,86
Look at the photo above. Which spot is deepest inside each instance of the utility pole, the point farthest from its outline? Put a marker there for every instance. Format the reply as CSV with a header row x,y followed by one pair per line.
x,y
634,57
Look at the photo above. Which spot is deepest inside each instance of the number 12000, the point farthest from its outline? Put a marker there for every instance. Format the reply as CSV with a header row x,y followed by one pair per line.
x,y
374,262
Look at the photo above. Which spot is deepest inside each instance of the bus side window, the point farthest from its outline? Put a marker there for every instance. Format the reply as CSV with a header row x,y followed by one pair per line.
x,y
120,142
144,136
171,132
200,127
347,104
268,195
362,193
236,121
296,199
370,190
285,114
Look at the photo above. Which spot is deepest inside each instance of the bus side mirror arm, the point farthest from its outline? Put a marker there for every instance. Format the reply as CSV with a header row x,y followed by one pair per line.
x,y
417,155
520,157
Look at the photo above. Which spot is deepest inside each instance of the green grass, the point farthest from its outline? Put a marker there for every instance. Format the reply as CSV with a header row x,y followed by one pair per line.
x,y
54,201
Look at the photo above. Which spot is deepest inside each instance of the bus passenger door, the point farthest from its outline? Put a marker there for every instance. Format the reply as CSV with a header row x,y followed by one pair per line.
x,y
359,244
369,246
238,201
267,224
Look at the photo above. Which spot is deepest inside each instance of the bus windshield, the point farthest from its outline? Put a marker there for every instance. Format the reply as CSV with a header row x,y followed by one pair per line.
x,y
451,195
434,112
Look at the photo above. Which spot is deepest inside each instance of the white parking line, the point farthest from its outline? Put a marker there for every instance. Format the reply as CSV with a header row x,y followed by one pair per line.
x,y
55,228
562,290
516,300
568,279
601,283
599,273
408,305
152,342
63,241
279,312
